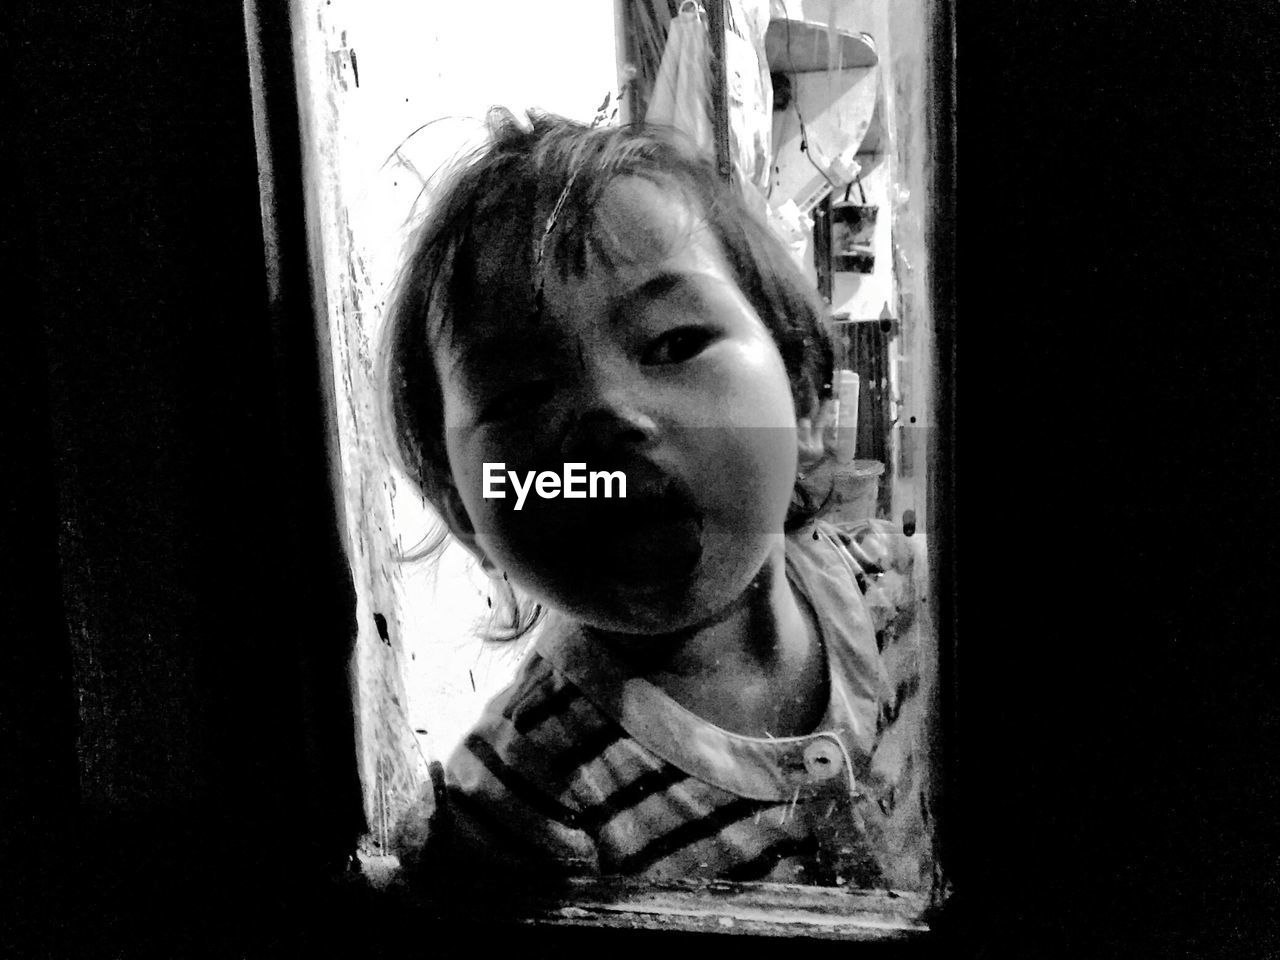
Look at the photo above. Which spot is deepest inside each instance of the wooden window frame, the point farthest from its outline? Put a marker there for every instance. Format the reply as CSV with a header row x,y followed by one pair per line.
x,y
726,909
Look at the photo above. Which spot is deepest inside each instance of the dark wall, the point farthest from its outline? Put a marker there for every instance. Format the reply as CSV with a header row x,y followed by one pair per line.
x,y
178,764
177,611
1117,280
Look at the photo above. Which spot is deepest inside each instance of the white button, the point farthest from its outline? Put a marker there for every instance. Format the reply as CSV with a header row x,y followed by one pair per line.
x,y
823,759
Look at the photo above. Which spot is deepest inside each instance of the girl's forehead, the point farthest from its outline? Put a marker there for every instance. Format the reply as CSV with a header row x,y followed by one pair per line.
x,y
634,225
636,221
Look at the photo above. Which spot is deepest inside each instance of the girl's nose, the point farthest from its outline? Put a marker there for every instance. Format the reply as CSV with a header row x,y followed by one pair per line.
x,y
612,419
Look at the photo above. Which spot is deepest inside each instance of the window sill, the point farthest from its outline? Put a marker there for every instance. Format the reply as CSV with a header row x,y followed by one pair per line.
x,y
752,909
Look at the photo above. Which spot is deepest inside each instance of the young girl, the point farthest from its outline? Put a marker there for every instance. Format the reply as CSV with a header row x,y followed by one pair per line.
x,y
707,697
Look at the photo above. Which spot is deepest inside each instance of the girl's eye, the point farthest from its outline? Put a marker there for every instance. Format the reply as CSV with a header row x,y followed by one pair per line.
x,y
679,345
516,401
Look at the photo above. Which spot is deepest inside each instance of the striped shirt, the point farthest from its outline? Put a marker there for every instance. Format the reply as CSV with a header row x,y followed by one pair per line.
x,y
579,767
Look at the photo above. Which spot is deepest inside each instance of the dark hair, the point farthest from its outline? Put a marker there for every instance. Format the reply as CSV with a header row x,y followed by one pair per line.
x,y
506,192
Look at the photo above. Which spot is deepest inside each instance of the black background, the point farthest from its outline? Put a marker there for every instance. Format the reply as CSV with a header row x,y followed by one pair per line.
x,y
1116,394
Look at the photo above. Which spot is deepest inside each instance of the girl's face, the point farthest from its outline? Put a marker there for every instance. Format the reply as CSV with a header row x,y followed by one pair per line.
x,y
650,362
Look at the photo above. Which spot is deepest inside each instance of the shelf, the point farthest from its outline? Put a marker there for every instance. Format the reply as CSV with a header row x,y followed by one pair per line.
x,y
810,47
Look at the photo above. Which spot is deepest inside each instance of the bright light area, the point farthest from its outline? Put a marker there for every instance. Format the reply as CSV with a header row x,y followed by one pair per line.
x,y
401,90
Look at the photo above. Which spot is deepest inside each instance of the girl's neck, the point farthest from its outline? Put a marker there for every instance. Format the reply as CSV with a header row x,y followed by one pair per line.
x,y
759,670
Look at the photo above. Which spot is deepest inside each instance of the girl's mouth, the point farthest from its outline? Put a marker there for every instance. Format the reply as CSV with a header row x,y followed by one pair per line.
x,y
653,535
665,550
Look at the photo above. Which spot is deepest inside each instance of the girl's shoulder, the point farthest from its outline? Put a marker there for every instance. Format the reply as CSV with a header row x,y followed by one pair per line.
x,y
887,565
878,546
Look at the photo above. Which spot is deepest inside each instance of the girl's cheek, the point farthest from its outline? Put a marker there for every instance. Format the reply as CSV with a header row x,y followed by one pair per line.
x,y
758,391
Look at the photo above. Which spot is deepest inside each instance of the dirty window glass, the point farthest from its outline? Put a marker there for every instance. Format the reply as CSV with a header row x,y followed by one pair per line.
x,y
610,762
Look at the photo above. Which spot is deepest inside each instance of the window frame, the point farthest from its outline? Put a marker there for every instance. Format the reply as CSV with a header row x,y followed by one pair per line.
x,y
715,907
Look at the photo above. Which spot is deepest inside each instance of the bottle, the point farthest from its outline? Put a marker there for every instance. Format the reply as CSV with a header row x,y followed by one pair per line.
x,y
846,416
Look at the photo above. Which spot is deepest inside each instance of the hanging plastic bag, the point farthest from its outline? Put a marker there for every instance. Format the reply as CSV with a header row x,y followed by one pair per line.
x,y
680,94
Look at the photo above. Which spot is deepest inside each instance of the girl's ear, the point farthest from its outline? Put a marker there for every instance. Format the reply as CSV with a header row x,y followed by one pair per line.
x,y
459,523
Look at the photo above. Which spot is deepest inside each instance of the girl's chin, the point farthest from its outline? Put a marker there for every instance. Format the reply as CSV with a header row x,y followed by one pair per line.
x,y
663,592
